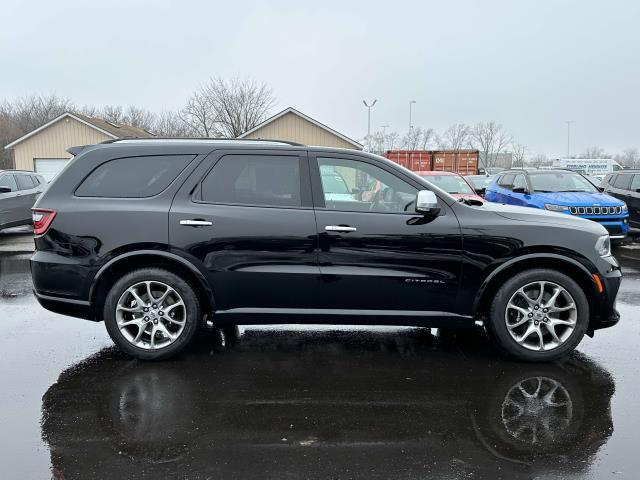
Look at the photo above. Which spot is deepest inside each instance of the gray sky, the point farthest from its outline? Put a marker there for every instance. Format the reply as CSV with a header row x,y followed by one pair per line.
x,y
529,65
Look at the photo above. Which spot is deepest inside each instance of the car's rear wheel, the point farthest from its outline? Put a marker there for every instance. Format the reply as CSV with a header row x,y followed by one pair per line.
x,y
539,315
151,313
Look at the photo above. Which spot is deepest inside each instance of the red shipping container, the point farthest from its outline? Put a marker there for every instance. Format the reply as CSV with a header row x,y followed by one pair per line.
x,y
464,162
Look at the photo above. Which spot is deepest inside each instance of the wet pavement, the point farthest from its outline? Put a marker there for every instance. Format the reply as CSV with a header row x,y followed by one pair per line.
x,y
312,402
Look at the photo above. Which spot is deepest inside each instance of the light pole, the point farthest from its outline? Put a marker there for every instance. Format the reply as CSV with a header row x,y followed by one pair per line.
x,y
569,122
410,106
369,107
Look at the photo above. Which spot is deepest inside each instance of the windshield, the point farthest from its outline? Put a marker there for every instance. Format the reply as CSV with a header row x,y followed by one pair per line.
x,y
449,183
561,182
334,183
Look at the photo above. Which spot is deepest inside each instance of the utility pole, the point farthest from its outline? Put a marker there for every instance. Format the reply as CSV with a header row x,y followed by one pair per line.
x,y
569,122
369,107
410,105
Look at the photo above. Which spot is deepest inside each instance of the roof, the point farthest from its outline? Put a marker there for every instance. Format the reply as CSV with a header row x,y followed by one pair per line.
x,y
113,130
305,117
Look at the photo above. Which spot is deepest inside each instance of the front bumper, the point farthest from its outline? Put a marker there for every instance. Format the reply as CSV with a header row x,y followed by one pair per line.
x,y
605,314
618,227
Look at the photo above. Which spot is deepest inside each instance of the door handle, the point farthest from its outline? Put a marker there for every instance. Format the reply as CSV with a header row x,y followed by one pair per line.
x,y
340,228
196,223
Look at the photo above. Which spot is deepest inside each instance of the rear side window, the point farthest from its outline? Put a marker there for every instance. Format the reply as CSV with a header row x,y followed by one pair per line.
x,y
635,183
506,181
519,182
609,179
133,177
8,181
269,180
622,182
24,182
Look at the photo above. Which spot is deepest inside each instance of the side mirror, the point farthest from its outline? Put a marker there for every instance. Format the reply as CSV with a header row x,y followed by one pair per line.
x,y
601,189
522,190
427,203
480,191
5,190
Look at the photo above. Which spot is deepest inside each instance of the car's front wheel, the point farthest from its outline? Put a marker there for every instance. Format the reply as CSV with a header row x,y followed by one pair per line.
x,y
539,315
151,313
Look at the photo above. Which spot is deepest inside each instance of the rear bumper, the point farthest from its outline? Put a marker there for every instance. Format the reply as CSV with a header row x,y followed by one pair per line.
x,y
65,306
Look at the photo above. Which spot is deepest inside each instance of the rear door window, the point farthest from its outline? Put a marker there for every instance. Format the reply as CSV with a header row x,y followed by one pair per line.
x,y
519,182
8,181
260,180
622,182
506,181
24,182
635,183
133,177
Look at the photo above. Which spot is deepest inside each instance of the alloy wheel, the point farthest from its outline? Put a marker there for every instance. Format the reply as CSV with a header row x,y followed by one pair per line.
x,y
541,315
151,315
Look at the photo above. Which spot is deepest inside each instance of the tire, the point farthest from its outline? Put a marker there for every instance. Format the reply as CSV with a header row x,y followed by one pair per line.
x,y
164,334
569,325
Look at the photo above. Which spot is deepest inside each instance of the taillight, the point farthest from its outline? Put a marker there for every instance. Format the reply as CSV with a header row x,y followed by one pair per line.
x,y
42,219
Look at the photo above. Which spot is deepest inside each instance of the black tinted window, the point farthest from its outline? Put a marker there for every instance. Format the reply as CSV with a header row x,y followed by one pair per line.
x,y
8,181
24,182
622,181
133,177
254,180
506,181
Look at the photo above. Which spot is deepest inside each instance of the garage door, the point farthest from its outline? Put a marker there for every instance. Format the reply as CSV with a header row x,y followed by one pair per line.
x,y
49,167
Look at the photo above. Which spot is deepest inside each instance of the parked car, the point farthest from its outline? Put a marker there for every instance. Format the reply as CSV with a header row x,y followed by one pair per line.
x,y
18,192
625,186
479,183
452,183
159,237
561,191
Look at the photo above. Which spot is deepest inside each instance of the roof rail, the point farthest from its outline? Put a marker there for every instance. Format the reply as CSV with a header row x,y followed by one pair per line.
x,y
205,139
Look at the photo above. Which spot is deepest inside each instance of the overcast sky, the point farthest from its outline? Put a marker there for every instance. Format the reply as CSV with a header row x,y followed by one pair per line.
x,y
530,65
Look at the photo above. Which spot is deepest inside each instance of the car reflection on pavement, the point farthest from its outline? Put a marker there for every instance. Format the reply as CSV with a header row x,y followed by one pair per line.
x,y
328,404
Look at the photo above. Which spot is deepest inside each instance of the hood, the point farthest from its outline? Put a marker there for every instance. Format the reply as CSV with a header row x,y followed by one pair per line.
x,y
470,196
537,215
578,199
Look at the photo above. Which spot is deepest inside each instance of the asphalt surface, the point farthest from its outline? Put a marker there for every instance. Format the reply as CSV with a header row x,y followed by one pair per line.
x,y
278,403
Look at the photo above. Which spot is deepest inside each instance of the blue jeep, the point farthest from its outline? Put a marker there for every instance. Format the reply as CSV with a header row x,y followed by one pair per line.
x,y
560,191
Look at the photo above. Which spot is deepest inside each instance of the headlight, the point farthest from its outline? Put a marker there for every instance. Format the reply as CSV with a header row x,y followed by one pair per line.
x,y
555,208
603,246
624,207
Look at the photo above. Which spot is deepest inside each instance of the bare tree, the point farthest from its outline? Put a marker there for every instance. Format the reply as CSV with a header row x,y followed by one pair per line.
x,y
594,152
456,137
393,140
169,124
539,161
630,158
519,152
228,108
200,115
490,140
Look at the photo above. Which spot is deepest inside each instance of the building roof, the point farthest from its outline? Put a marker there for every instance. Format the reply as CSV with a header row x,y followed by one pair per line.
x,y
113,130
308,119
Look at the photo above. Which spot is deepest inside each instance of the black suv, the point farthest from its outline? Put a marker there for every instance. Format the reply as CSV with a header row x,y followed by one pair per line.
x,y
160,237
625,185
